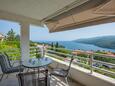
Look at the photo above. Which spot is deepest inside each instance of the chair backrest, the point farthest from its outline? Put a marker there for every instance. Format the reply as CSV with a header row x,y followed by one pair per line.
x,y
7,58
32,79
72,58
4,63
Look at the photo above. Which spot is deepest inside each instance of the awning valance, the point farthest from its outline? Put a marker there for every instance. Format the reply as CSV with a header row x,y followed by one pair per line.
x,y
90,13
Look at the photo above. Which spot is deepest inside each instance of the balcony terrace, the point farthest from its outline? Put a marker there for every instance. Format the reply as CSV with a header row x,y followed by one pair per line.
x,y
61,15
81,73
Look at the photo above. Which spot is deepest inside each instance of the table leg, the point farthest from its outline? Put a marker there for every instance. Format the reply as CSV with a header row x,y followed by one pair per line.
x,y
46,77
38,76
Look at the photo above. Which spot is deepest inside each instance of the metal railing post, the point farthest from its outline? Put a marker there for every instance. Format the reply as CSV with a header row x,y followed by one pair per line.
x,y
91,63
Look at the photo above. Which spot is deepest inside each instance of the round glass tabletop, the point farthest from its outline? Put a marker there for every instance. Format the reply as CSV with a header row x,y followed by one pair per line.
x,y
35,63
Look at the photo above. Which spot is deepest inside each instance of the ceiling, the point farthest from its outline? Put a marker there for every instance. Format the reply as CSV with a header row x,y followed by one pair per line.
x,y
36,9
59,15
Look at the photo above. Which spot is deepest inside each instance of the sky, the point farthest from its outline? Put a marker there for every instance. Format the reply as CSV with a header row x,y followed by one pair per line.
x,y
42,34
5,26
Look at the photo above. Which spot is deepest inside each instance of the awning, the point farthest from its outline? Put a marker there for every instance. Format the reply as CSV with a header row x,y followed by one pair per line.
x,y
92,12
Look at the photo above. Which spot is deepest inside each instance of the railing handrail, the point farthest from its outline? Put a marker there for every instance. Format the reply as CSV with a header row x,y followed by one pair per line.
x,y
104,55
110,72
104,62
85,58
91,61
96,54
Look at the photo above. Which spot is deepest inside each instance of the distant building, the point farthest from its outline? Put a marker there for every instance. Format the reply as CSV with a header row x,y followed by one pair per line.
x,y
2,37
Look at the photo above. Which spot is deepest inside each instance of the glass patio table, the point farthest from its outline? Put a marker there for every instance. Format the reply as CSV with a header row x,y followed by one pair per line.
x,y
34,63
37,62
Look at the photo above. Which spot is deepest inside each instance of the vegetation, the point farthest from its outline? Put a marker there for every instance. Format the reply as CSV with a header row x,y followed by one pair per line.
x,y
52,45
56,45
63,50
105,59
83,55
11,45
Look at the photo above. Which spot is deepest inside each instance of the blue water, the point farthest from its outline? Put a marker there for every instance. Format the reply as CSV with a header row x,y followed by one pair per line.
x,y
73,46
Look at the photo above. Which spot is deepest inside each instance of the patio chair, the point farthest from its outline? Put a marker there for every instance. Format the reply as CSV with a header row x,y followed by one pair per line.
x,y
34,78
6,66
61,72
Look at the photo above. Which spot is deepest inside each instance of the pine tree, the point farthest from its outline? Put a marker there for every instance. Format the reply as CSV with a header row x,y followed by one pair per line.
x,y
11,35
56,45
52,45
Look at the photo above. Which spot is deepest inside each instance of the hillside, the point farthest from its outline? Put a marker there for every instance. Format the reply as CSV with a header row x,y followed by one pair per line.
x,y
105,41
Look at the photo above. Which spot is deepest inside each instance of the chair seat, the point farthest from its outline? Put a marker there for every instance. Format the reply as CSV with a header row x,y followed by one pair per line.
x,y
59,72
14,69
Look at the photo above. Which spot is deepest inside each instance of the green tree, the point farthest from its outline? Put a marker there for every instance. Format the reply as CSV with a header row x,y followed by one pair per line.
x,y
17,37
52,44
56,45
11,35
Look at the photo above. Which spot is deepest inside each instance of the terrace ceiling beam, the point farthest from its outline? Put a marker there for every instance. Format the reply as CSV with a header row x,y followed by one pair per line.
x,y
18,18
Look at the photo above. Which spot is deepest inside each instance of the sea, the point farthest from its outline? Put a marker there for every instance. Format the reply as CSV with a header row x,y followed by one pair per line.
x,y
71,45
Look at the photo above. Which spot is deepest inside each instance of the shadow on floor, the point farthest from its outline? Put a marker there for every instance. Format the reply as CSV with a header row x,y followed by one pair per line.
x,y
55,81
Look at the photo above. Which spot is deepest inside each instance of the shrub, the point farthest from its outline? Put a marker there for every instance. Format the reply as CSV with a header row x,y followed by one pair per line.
x,y
38,55
105,59
83,55
63,50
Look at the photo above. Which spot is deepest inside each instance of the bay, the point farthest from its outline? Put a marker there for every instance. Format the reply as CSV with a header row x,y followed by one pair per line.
x,y
75,46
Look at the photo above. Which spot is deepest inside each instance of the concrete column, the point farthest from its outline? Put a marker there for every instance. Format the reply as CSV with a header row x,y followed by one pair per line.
x,y
25,50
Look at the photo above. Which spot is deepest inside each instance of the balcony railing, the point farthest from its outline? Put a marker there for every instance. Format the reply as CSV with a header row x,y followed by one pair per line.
x,y
13,53
89,63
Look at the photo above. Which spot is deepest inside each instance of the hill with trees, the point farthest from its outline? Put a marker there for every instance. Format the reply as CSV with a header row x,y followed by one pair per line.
x,y
104,41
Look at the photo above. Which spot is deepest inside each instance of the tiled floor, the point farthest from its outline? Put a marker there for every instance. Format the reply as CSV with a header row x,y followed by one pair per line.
x,y
55,81
12,80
